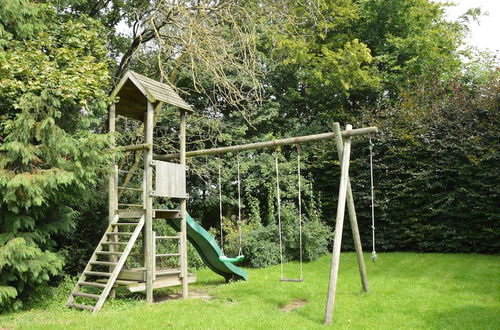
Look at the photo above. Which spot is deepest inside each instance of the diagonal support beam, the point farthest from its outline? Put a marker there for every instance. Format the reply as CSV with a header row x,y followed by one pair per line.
x,y
352,214
339,225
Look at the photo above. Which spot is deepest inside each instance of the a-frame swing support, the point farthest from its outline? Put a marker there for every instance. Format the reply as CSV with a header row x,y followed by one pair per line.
x,y
343,146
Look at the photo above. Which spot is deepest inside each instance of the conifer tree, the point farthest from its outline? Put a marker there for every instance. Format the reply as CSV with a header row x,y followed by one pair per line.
x,y
53,80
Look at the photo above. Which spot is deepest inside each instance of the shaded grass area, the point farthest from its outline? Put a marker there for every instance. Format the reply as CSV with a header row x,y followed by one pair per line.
x,y
407,290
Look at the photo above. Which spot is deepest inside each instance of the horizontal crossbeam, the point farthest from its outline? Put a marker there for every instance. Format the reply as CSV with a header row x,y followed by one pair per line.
x,y
269,144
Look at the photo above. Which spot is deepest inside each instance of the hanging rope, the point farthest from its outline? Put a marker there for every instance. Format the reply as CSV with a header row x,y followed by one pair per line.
x,y
240,252
374,254
278,199
300,211
220,208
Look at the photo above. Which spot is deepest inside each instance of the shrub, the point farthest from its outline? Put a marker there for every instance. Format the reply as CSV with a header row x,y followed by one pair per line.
x,y
24,270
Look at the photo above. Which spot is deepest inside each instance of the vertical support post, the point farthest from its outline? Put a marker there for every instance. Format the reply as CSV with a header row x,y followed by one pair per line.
x,y
352,214
113,184
339,223
183,240
154,255
148,202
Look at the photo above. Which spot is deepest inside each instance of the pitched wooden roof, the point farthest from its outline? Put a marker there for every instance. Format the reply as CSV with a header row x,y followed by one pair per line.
x,y
134,90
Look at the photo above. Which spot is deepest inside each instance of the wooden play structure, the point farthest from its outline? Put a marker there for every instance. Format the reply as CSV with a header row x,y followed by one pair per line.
x,y
140,98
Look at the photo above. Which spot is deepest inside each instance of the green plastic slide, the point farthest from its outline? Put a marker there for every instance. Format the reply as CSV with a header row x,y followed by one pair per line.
x,y
209,250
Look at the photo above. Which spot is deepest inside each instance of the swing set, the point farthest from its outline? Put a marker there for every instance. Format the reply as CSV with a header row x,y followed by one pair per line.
x,y
343,145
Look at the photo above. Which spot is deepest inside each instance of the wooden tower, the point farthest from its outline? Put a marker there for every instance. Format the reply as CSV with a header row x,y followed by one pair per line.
x,y
139,98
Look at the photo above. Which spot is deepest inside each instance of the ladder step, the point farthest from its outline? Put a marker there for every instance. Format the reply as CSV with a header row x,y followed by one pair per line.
x,y
97,273
130,213
110,252
125,224
168,237
170,271
118,233
86,295
105,263
94,284
129,188
168,254
80,306
129,172
114,243
130,205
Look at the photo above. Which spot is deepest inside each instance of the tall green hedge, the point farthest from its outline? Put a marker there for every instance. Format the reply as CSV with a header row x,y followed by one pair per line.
x,y
436,169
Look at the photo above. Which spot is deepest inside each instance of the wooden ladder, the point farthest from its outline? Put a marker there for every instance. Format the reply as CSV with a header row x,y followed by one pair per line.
x,y
106,279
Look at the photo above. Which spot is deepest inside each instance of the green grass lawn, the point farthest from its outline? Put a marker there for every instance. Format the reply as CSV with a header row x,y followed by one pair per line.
x,y
407,290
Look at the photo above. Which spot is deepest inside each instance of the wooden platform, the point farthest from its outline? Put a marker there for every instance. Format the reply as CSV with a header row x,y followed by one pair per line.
x,y
135,278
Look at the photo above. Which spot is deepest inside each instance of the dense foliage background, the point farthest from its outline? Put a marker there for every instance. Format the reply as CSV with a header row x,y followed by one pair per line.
x,y
253,70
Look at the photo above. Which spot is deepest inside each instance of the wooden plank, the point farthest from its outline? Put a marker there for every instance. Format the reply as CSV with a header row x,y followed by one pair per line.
x,y
93,284
161,92
161,283
148,203
270,144
352,215
168,237
134,147
130,188
130,213
93,273
339,223
130,205
129,172
170,180
86,295
183,241
166,214
132,275
104,263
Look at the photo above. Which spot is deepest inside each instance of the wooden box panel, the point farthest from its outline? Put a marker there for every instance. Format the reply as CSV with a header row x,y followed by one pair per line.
x,y
170,180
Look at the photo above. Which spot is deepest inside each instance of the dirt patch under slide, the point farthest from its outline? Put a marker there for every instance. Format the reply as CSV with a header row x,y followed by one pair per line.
x,y
297,303
178,296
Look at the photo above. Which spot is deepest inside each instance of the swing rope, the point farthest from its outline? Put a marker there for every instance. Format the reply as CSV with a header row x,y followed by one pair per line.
x,y
300,211
374,253
220,208
240,252
223,257
278,199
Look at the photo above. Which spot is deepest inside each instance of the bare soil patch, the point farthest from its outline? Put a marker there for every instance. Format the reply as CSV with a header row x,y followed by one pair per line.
x,y
178,296
297,303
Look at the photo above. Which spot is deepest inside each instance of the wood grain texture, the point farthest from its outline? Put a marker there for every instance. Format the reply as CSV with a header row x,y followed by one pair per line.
x,y
170,180
352,215
339,225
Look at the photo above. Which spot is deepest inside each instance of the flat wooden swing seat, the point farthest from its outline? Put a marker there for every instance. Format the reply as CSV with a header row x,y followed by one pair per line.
x,y
292,280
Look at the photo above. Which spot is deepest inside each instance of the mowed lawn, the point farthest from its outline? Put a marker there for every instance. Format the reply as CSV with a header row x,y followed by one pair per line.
x,y
407,291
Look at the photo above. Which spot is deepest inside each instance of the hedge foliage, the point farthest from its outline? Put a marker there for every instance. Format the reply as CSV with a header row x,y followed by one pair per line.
x,y
436,167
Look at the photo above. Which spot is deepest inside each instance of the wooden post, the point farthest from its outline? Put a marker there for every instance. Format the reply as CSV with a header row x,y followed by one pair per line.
x,y
148,202
113,184
154,256
183,240
352,215
339,223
